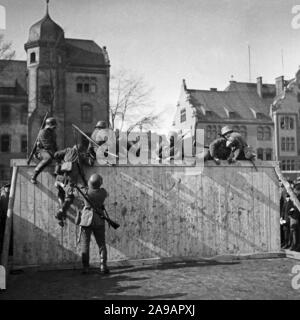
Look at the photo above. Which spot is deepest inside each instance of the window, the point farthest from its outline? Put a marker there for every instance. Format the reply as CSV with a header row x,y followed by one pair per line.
x,y
260,133
32,57
79,87
182,115
24,143
208,132
87,113
5,114
260,154
268,154
292,144
283,165
93,88
86,88
287,123
23,116
267,133
46,94
4,173
5,143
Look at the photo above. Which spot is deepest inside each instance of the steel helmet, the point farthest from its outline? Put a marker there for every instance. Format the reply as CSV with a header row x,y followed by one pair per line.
x,y
101,124
51,123
95,181
226,130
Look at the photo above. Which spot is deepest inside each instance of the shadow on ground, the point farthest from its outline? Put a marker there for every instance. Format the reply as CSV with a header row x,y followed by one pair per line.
x,y
71,284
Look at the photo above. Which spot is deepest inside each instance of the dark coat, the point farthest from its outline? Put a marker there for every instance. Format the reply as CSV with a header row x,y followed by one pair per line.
x,y
218,149
97,198
237,144
292,210
47,140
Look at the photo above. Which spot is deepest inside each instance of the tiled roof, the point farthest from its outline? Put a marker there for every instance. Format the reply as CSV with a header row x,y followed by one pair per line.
x,y
246,105
268,90
13,74
84,52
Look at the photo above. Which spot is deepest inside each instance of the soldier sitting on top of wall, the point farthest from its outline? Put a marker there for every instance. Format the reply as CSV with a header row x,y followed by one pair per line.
x,y
217,151
238,145
70,172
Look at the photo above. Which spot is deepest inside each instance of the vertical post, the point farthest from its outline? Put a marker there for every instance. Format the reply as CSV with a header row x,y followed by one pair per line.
x,y
8,225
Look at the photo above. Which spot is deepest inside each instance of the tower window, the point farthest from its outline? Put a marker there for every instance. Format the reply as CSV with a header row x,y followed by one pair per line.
x,y
5,114
32,57
260,154
79,87
5,143
87,113
268,154
86,87
24,143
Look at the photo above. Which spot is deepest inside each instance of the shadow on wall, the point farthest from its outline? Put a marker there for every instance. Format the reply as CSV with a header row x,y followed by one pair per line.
x,y
162,211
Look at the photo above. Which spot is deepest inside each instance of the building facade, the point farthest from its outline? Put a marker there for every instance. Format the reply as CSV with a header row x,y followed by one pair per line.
x,y
68,78
243,106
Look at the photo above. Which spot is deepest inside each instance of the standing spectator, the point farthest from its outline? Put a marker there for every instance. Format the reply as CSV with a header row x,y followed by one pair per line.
x,y
294,216
4,197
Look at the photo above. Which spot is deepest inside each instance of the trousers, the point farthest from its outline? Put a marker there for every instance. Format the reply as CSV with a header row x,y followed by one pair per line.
x,y
45,160
99,234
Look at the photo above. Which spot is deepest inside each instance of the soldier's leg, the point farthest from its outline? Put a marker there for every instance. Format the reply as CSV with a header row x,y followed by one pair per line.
x,y
85,248
62,213
99,234
46,160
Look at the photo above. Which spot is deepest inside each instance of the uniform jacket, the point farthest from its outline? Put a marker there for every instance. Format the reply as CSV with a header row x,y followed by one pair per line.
x,y
97,198
70,155
47,140
219,150
237,145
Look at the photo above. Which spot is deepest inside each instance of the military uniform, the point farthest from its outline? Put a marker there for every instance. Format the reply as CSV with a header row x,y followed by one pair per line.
x,y
96,196
70,173
100,135
46,147
217,150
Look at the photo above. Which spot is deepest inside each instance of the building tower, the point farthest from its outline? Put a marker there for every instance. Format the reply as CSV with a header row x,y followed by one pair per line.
x,y
45,50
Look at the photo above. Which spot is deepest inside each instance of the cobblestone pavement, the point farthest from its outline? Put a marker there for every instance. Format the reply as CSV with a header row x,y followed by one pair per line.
x,y
247,279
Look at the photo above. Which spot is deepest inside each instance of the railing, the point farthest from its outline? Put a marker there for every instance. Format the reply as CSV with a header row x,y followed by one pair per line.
x,y
4,270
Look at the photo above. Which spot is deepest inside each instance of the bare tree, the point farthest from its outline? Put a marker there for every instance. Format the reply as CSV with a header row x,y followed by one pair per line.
x,y
130,102
6,52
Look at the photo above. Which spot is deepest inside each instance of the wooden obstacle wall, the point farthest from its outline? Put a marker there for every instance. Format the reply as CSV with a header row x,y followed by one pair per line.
x,y
164,212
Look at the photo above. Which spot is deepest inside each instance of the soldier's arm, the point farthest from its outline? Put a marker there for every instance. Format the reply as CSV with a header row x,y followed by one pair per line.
x,y
59,155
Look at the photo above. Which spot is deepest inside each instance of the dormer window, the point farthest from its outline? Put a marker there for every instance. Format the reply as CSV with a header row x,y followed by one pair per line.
x,y
32,57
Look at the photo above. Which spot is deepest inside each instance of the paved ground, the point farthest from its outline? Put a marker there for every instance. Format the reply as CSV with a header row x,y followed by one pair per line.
x,y
248,279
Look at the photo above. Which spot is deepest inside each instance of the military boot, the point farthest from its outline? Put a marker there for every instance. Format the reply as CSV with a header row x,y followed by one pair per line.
x,y
34,176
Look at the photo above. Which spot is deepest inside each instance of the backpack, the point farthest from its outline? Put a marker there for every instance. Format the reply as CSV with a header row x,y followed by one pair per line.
x,y
70,157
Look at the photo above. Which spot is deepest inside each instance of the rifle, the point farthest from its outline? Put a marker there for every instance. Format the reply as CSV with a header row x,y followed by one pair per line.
x,y
33,151
110,222
92,141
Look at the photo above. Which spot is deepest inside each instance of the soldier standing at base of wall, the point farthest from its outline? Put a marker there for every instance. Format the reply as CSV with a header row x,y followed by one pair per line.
x,y
96,224
46,147
70,172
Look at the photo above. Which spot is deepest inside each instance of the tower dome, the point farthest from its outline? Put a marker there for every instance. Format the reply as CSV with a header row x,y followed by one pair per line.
x,y
45,31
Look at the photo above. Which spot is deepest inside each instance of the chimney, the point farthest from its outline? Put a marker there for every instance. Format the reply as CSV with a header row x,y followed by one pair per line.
x,y
213,89
279,83
184,84
259,86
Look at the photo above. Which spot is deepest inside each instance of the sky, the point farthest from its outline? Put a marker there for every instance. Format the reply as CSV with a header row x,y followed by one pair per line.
x,y
203,41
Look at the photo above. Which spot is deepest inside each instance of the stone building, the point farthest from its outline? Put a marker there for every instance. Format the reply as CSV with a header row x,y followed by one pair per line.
x,y
68,78
243,106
